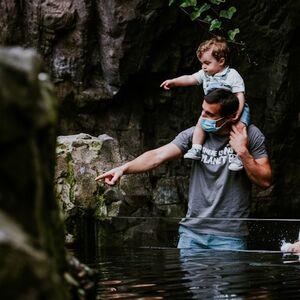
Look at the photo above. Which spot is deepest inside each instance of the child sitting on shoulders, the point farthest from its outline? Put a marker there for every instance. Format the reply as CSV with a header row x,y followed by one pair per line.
x,y
215,73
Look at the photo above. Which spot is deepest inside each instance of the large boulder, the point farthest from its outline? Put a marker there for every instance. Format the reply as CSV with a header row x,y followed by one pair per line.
x,y
33,257
126,208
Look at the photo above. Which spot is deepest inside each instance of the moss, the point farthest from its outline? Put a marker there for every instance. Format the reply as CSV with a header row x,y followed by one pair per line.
x,y
60,148
114,209
101,209
95,146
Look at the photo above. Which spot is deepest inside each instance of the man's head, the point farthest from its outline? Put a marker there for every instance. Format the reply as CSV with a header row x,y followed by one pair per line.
x,y
218,109
228,101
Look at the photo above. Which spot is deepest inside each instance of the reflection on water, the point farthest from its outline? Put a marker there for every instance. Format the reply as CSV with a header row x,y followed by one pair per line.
x,y
168,273
138,273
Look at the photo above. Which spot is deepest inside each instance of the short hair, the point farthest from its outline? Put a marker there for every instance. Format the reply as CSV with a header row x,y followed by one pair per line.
x,y
219,48
228,101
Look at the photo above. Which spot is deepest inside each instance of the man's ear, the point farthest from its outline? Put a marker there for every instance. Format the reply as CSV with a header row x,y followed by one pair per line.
x,y
233,117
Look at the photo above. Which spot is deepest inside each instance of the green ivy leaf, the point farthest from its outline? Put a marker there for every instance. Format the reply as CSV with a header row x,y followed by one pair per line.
x,y
196,10
233,33
227,14
188,3
215,24
197,13
208,19
217,2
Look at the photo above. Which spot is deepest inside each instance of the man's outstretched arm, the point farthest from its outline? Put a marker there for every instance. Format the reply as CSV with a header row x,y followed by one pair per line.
x,y
145,162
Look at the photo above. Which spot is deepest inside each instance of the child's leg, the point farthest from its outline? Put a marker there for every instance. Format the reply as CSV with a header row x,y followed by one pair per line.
x,y
199,135
245,117
236,164
198,139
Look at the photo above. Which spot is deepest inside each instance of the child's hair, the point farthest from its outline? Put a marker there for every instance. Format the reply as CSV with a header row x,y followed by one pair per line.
x,y
219,48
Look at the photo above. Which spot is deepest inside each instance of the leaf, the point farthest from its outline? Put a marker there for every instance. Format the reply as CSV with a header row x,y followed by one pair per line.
x,y
217,2
197,13
215,24
201,9
188,3
227,14
233,33
208,19
204,7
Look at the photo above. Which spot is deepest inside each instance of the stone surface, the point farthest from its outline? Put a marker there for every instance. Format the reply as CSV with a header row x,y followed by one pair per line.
x,y
32,249
80,158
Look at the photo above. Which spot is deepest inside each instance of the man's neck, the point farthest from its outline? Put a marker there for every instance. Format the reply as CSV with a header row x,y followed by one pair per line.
x,y
225,130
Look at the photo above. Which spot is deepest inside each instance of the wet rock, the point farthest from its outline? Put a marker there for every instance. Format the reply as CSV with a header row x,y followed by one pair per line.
x,y
32,251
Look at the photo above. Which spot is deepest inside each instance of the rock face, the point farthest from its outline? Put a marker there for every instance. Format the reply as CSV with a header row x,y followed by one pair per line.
x,y
32,254
80,158
107,59
270,32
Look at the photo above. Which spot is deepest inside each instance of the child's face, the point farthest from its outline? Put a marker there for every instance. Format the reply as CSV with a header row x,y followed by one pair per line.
x,y
210,65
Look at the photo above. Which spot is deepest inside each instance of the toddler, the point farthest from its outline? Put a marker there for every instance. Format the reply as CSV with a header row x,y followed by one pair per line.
x,y
215,73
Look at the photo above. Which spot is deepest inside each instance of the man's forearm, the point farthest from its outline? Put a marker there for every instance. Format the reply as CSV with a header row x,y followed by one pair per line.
x,y
145,162
258,171
151,159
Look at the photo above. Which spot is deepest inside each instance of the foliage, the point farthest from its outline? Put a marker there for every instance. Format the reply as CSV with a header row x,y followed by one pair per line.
x,y
214,14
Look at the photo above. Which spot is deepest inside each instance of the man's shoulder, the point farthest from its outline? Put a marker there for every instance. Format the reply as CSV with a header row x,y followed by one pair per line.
x,y
255,136
254,130
184,138
187,133
256,140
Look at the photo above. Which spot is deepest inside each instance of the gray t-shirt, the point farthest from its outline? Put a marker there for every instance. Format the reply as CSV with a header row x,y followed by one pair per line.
x,y
215,191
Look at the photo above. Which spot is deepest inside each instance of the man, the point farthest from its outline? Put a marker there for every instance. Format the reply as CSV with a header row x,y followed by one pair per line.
x,y
218,197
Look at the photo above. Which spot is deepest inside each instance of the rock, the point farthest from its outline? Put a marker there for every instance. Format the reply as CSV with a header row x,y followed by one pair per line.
x,y
32,252
80,158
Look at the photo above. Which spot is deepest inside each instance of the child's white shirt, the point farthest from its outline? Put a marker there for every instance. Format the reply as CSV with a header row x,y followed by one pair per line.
x,y
228,79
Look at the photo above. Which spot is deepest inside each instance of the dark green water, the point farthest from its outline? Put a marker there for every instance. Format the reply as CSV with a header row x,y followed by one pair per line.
x,y
128,273
168,273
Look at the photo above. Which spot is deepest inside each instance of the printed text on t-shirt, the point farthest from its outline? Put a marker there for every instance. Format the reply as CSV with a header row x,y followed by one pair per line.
x,y
214,157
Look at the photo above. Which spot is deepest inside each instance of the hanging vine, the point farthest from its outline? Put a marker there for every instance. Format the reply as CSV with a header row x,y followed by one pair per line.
x,y
213,14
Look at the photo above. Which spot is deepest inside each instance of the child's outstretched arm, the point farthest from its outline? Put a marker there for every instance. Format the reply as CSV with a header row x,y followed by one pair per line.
x,y
185,80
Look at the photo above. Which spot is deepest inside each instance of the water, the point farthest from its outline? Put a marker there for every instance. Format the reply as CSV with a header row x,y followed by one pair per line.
x,y
136,273
168,273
